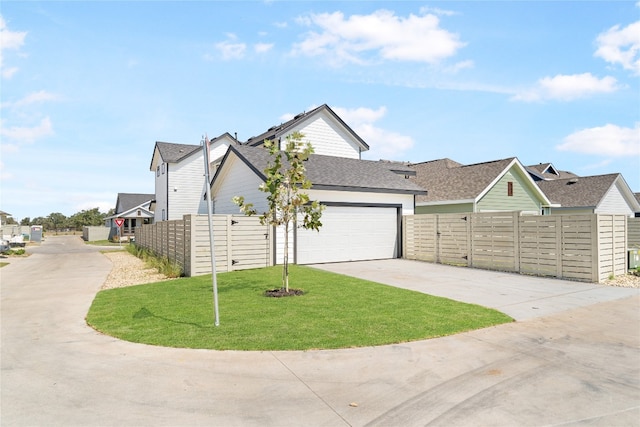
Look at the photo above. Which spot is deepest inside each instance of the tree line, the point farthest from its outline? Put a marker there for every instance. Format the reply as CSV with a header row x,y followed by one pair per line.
x,y
56,221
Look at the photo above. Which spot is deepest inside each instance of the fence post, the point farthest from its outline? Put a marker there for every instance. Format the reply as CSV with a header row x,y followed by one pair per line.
x,y
469,251
516,241
559,243
229,236
595,249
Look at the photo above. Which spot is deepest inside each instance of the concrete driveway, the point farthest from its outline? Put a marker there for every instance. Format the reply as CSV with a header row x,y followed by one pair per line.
x,y
575,367
521,297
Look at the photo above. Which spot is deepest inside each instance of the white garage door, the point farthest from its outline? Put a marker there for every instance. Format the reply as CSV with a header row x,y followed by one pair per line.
x,y
350,233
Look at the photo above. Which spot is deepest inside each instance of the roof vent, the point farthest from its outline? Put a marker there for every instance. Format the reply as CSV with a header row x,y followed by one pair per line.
x,y
572,181
272,128
298,116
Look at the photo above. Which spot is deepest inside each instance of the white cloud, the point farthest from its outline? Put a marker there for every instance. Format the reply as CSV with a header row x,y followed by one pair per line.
x,y
437,11
382,34
384,144
608,140
32,98
26,135
567,87
9,40
262,47
621,46
230,49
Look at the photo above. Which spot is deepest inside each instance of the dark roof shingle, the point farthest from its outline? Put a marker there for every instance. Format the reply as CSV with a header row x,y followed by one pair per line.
x,y
172,153
446,180
329,172
586,191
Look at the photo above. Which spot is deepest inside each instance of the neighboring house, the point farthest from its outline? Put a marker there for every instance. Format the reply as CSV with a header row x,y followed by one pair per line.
x,y
135,209
500,185
606,194
364,200
546,172
179,176
3,217
328,134
637,195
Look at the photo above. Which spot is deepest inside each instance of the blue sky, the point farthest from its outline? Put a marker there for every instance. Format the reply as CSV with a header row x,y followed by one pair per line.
x,y
88,87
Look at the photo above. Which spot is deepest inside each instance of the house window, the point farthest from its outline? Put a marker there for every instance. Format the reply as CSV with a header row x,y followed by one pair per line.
x,y
509,188
163,169
163,215
158,170
139,212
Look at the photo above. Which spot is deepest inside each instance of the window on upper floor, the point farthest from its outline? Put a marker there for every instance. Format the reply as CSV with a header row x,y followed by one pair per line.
x,y
163,168
158,170
509,188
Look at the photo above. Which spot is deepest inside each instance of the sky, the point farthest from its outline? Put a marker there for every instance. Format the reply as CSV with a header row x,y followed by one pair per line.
x,y
87,88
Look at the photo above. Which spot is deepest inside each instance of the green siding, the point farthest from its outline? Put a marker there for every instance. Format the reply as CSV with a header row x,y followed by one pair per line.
x,y
570,211
523,198
453,208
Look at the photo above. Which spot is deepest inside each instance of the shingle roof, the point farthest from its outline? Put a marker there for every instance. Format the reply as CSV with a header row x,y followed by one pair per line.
x,y
172,153
131,200
540,169
273,131
446,180
586,191
339,173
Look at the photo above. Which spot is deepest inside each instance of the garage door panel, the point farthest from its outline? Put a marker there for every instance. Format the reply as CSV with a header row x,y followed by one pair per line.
x,y
350,234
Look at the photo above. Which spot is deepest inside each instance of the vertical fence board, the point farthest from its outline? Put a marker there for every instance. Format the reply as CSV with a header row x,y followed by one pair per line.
x,y
585,247
186,242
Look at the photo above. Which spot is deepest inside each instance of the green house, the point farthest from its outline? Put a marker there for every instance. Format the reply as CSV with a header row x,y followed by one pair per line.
x,y
500,185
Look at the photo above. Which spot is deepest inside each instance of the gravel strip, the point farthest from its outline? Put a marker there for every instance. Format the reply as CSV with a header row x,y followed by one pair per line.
x,y
129,270
624,281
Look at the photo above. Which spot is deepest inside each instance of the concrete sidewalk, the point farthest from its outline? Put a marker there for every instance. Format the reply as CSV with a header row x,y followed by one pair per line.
x,y
521,297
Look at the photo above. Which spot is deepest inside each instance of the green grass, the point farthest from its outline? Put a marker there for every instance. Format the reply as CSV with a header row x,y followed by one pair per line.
x,y
335,312
3,264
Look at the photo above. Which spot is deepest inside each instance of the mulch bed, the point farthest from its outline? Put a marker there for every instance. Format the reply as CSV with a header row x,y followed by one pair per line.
x,y
279,293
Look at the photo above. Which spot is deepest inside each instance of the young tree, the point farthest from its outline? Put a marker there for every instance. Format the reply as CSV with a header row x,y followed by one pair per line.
x,y
285,184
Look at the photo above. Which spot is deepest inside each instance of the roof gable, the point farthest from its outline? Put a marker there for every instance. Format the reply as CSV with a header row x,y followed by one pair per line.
x,y
127,201
449,181
586,191
275,132
168,152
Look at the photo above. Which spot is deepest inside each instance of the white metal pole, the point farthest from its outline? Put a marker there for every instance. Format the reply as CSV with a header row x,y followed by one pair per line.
x,y
207,186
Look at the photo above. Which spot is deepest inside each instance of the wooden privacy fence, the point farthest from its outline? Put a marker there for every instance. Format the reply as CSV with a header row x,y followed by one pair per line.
x,y
579,247
240,242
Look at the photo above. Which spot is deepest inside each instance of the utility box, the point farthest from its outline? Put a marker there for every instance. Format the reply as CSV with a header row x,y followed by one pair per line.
x,y
633,258
36,233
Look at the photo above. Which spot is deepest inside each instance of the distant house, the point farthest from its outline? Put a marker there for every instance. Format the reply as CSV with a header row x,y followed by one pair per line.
x,y
364,200
637,195
500,185
179,176
135,209
606,194
546,172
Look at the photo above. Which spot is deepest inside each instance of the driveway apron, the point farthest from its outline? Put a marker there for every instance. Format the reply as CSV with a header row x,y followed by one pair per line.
x,y
579,366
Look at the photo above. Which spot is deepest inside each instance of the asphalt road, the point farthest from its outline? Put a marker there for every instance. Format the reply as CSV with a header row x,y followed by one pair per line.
x,y
574,367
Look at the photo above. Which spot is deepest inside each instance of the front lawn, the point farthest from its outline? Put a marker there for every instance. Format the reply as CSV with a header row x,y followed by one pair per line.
x,y
335,312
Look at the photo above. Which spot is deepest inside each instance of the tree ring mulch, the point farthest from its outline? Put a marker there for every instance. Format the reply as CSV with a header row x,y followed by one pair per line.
x,y
279,293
